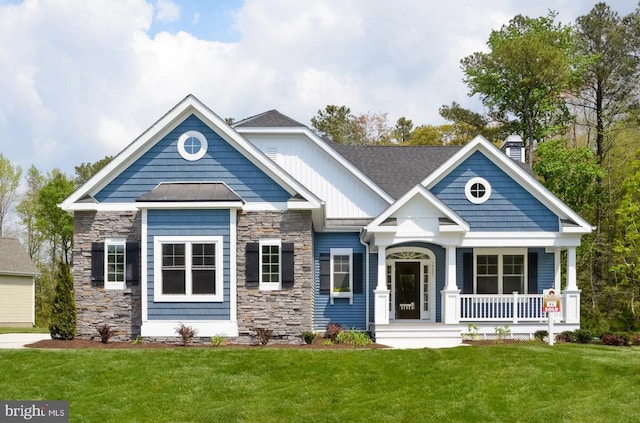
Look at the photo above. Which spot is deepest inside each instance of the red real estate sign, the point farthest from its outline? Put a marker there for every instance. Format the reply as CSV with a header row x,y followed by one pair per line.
x,y
551,301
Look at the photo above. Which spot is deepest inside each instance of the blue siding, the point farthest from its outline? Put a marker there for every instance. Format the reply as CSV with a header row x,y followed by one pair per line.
x,y
163,163
348,315
510,207
188,223
545,269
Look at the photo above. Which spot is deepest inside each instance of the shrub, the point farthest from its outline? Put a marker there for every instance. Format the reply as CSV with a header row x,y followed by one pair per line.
x,y
217,340
566,336
137,341
634,338
472,329
540,335
264,335
105,332
333,329
502,333
308,337
64,315
613,339
186,333
353,337
583,336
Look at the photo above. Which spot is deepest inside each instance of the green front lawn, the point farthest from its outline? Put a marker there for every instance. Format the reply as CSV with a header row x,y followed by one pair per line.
x,y
499,383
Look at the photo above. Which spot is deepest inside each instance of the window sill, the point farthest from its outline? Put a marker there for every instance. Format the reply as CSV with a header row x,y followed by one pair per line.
x,y
187,298
348,295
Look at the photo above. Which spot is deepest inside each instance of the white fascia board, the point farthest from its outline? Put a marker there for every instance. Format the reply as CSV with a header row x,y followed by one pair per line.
x,y
190,105
531,184
519,239
327,149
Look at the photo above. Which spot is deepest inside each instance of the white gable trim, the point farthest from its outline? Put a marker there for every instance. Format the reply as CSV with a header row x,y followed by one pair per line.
x,y
190,105
539,191
460,224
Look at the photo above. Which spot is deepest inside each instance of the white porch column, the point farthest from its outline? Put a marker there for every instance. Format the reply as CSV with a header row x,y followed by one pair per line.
x,y
571,297
381,293
450,293
557,268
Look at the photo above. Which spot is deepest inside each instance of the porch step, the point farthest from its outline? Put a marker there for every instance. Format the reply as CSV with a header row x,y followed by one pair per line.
x,y
418,335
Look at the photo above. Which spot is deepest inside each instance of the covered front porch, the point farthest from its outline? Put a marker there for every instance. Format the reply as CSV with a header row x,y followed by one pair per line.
x,y
419,300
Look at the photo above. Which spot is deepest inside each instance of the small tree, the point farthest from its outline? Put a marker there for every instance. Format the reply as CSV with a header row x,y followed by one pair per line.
x,y
64,315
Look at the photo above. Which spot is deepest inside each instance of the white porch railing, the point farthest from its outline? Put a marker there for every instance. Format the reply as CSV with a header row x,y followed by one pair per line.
x,y
508,308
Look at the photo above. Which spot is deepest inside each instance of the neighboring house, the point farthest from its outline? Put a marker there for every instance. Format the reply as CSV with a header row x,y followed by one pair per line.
x,y
17,285
266,225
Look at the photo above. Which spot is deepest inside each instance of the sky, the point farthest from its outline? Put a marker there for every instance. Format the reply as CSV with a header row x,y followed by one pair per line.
x,y
81,79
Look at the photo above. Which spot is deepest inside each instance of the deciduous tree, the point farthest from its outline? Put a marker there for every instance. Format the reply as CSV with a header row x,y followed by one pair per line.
x,y
9,181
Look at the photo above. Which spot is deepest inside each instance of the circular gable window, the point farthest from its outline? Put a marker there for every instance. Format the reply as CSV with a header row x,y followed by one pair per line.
x,y
192,145
477,190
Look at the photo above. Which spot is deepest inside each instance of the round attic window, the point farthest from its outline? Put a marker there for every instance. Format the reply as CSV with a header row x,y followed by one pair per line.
x,y
192,145
477,190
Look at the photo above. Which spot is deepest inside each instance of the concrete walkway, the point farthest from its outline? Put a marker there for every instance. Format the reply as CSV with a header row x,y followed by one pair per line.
x,y
19,340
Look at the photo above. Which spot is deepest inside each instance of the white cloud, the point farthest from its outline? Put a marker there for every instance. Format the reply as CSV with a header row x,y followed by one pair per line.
x,y
80,80
167,11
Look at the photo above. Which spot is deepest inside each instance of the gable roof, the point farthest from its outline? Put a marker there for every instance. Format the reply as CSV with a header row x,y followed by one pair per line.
x,y
14,260
190,191
190,105
269,119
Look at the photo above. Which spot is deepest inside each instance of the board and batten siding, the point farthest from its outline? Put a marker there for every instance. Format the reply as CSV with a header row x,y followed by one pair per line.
x,y
510,207
16,300
345,195
222,162
188,223
350,316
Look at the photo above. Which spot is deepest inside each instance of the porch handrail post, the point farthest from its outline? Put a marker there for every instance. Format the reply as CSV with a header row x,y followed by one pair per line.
x,y
450,293
515,307
571,294
381,293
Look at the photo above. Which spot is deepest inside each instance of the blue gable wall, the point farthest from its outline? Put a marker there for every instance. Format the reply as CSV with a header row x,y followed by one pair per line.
x,y
163,163
510,207
348,315
187,223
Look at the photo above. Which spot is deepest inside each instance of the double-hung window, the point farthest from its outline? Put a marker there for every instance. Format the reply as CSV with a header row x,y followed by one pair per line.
x,y
500,272
270,264
342,273
115,263
188,268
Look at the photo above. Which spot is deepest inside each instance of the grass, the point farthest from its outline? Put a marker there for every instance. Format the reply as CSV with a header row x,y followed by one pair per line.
x,y
4,330
499,383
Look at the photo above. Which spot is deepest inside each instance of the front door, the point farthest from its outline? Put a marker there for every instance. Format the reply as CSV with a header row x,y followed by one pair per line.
x,y
407,301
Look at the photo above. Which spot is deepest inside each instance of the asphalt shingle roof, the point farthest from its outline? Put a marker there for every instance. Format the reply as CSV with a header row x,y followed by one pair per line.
x,y
190,191
396,169
14,259
270,119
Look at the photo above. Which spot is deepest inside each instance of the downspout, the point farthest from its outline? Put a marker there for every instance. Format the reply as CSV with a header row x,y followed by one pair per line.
x,y
367,270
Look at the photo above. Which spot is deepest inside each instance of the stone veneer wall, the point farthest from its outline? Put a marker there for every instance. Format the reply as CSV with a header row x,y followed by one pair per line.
x,y
120,309
288,312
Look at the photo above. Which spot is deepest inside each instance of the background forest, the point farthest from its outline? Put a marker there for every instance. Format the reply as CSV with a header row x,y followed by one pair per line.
x,y
571,92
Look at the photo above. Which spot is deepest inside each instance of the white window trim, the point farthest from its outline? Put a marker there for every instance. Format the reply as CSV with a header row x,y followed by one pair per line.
x,y
107,243
342,252
188,240
501,253
270,286
477,200
204,145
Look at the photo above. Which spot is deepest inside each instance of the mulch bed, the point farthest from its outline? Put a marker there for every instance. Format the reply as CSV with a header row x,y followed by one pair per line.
x,y
85,343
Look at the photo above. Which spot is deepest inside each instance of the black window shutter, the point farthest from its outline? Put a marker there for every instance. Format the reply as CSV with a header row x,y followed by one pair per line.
x,y
252,265
288,257
532,274
97,263
467,273
133,263
325,273
358,283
